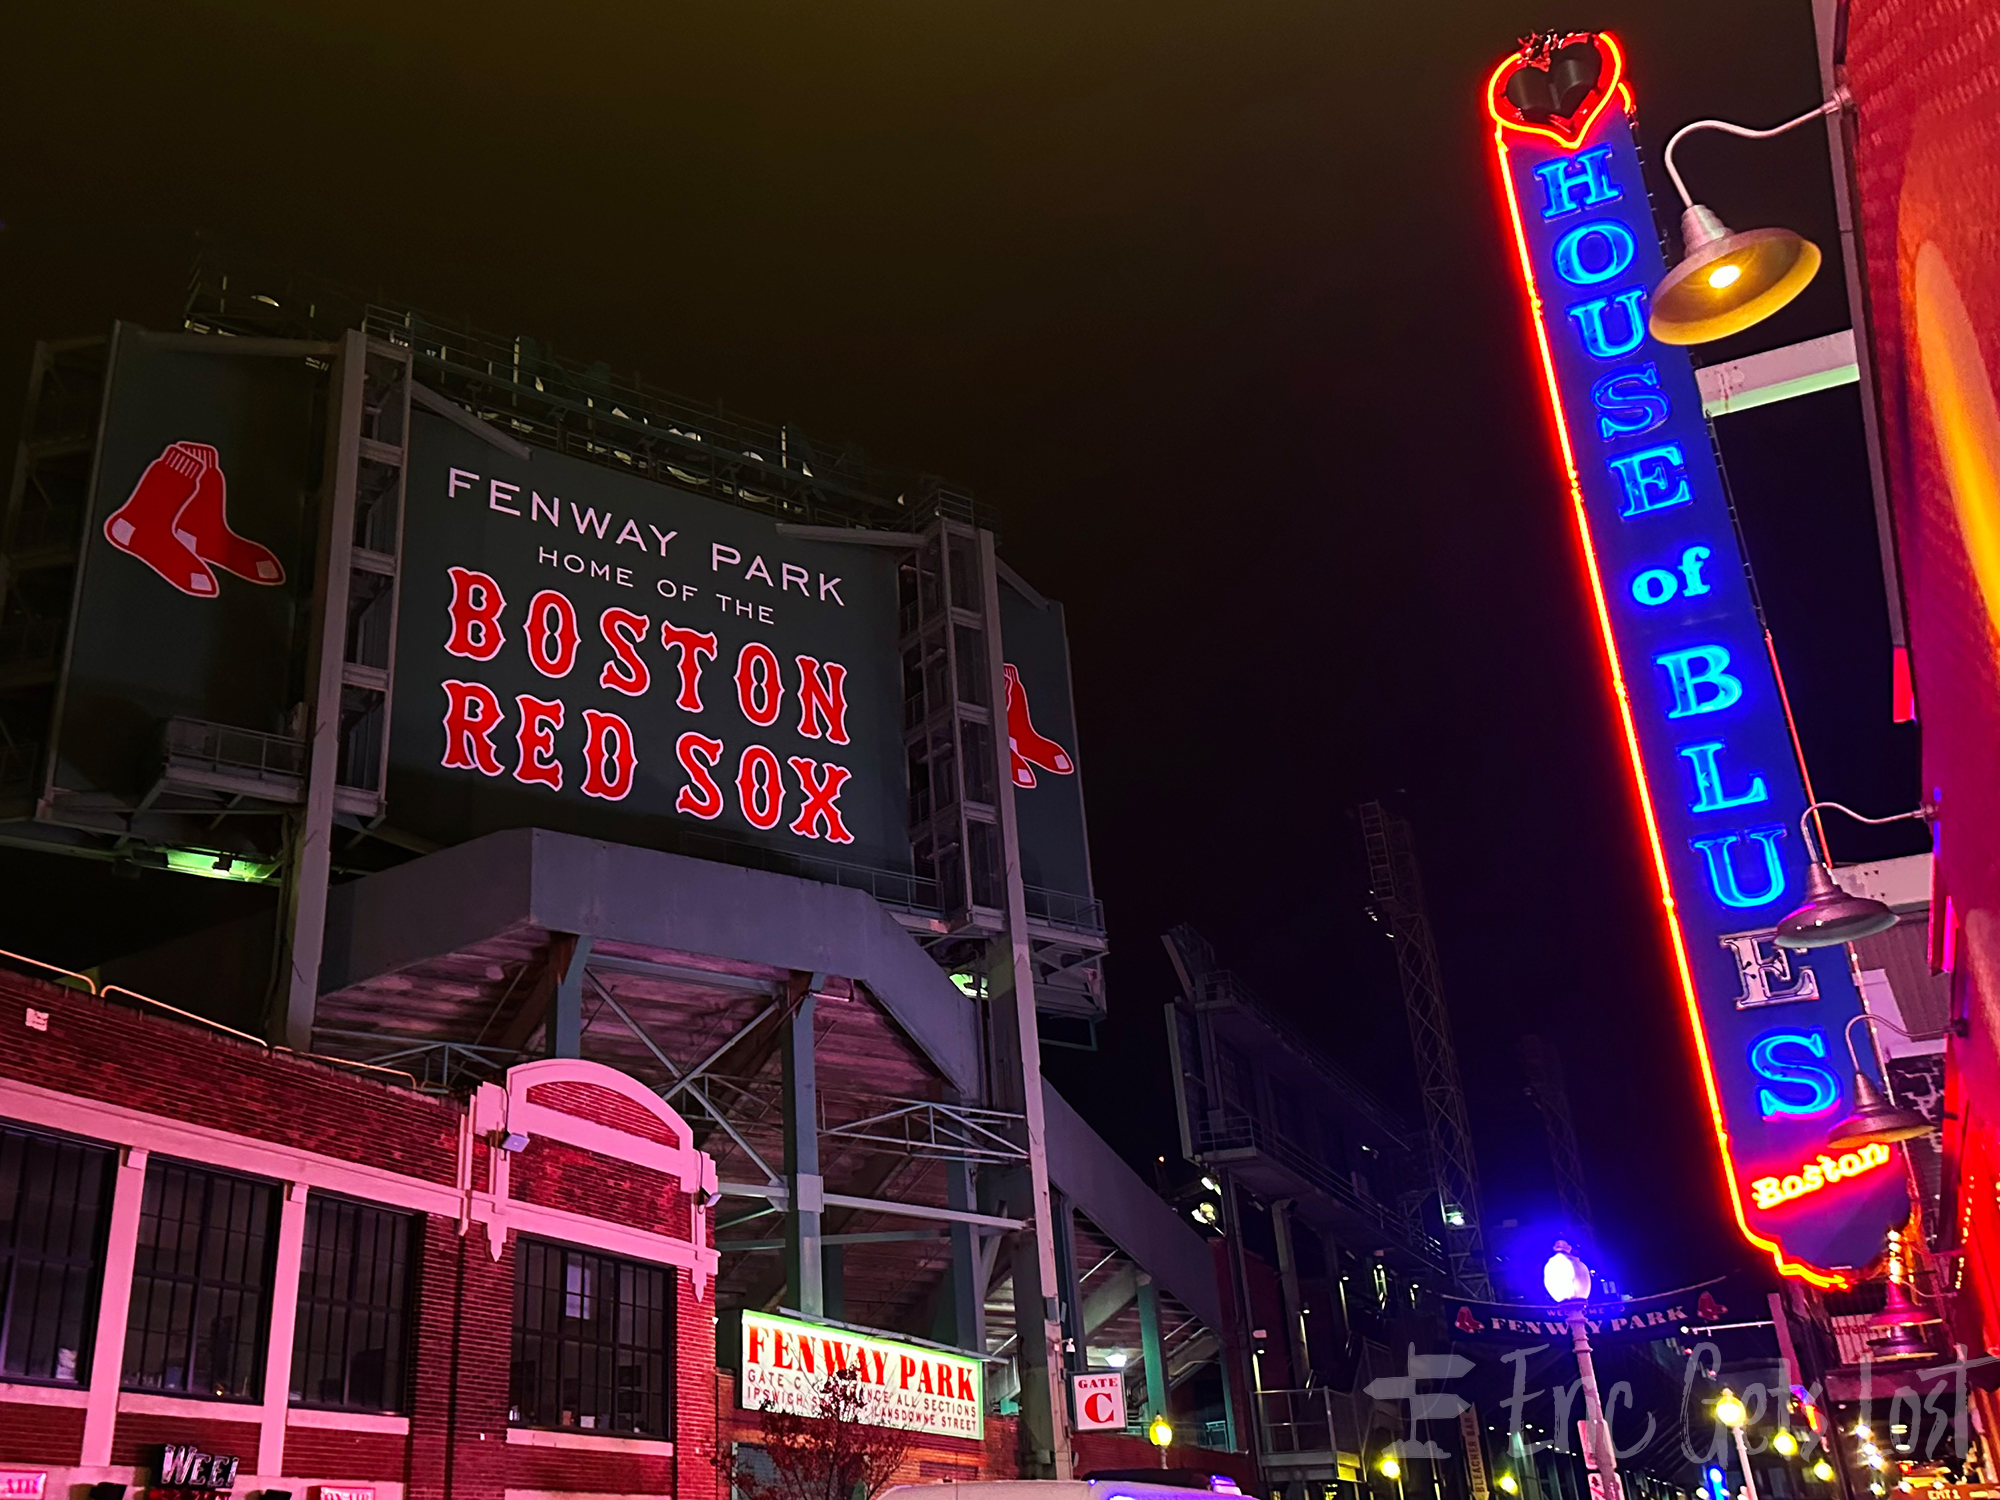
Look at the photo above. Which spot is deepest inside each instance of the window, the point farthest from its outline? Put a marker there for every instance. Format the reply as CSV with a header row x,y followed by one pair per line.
x,y
592,1341
200,1283
52,1211
353,1296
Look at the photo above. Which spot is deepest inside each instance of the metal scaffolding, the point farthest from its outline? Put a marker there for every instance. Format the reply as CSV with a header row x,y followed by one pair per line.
x,y
1395,887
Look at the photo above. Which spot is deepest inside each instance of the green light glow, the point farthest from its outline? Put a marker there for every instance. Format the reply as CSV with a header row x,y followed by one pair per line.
x,y
206,863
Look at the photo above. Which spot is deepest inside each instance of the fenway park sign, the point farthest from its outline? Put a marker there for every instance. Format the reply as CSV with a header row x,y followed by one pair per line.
x,y
586,650
785,1363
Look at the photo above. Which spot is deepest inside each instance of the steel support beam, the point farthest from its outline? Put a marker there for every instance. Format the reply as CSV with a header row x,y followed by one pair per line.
x,y
565,1027
805,1284
1074,1335
1295,1306
1153,1350
1016,1053
312,831
967,1288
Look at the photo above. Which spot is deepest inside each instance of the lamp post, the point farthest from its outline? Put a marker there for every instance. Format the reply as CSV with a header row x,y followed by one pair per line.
x,y
1161,1433
1567,1279
1730,1413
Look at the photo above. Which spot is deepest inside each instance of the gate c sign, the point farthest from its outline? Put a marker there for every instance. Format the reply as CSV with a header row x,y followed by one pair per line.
x,y
1691,668
1099,1400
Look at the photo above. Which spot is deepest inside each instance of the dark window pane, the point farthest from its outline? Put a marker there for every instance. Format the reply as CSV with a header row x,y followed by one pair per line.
x,y
51,1204
200,1283
353,1321
592,1337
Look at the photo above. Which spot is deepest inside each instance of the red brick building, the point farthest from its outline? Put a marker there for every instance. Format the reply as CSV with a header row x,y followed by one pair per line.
x,y
509,1297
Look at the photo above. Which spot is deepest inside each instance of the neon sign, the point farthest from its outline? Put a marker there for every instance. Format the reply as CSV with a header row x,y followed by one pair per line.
x,y
1718,785
1770,1192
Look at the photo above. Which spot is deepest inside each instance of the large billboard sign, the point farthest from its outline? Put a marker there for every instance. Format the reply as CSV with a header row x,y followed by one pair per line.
x,y
1690,667
584,650
196,559
785,1364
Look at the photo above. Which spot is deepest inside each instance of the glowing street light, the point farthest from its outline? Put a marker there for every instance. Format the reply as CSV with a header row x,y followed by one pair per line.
x,y
1822,1471
1160,1432
1783,1442
1730,1412
1567,1280
1510,1484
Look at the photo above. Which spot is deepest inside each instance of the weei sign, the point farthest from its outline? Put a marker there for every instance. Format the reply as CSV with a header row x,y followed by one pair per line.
x,y
1690,667
585,650
783,1365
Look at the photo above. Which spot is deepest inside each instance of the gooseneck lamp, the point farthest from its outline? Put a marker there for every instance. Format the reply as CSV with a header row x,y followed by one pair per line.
x,y
1726,281
1875,1116
1830,916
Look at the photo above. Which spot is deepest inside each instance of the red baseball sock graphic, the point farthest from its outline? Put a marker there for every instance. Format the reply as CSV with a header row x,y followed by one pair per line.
x,y
204,527
144,525
1026,743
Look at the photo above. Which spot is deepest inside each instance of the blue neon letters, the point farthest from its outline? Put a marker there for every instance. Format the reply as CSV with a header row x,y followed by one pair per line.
x,y
1821,1087
1713,746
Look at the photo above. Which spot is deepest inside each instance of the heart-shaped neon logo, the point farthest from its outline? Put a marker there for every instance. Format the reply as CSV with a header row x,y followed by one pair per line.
x,y
1610,84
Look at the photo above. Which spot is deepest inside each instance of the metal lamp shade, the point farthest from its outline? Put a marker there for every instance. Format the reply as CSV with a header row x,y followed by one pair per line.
x,y
1892,1332
1874,1118
1830,916
1772,267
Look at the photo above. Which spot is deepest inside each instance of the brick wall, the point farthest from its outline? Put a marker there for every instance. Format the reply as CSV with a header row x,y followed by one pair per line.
x,y
137,1438
97,1049
931,1458
40,1434
361,1456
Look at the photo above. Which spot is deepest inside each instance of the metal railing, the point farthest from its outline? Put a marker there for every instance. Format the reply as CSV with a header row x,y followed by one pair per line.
x,y
435,1067
225,750
1308,1421
925,1127
1240,1131
1065,909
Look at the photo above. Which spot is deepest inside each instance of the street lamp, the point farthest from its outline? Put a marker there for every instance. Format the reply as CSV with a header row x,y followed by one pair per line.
x,y
1510,1484
1730,1413
1160,1432
1567,1279
1830,916
1726,281
1875,1117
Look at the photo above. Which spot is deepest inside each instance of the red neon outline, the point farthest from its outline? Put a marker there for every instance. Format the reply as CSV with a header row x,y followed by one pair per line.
x,y
1604,94
1609,640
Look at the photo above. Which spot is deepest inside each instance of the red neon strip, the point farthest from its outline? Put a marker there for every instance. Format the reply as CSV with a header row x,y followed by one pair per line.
x,y
1616,87
1609,640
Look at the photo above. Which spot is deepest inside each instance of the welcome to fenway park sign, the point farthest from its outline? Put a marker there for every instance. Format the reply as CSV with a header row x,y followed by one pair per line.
x,y
585,650
784,1364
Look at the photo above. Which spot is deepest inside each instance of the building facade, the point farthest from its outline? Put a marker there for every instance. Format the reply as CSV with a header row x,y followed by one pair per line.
x,y
231,1268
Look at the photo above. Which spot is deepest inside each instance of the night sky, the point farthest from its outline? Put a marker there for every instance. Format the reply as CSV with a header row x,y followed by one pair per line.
x,y
1214,302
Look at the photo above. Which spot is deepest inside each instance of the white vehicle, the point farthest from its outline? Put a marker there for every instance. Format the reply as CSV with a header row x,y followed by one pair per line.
x,y
1101,1488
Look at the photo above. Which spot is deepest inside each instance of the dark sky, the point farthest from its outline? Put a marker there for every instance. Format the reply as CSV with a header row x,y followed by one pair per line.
x,y
1213,300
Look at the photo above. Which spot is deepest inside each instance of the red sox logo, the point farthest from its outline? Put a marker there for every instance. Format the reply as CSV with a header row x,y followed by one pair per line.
x,y
176,522
1027,746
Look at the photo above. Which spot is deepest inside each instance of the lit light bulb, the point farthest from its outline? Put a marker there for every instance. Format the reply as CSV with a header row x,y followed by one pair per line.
x,y
1823,1471
1389,1467
1724,275
1729,1409
1160,1431
1510,1484
1116,1359
1784,1442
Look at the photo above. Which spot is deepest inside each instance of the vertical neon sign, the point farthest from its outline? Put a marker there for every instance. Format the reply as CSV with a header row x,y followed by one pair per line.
x,y
1718,785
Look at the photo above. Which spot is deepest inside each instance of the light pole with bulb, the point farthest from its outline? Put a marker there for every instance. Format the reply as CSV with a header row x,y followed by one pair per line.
x,y
1729,1411
1567,1279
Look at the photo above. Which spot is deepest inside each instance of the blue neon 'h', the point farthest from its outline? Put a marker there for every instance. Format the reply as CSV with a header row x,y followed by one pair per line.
x,y
1722,865
1821,1086
1575,249
1700,680
1652,479
1709,795
1629,402
1599,339
1575,182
